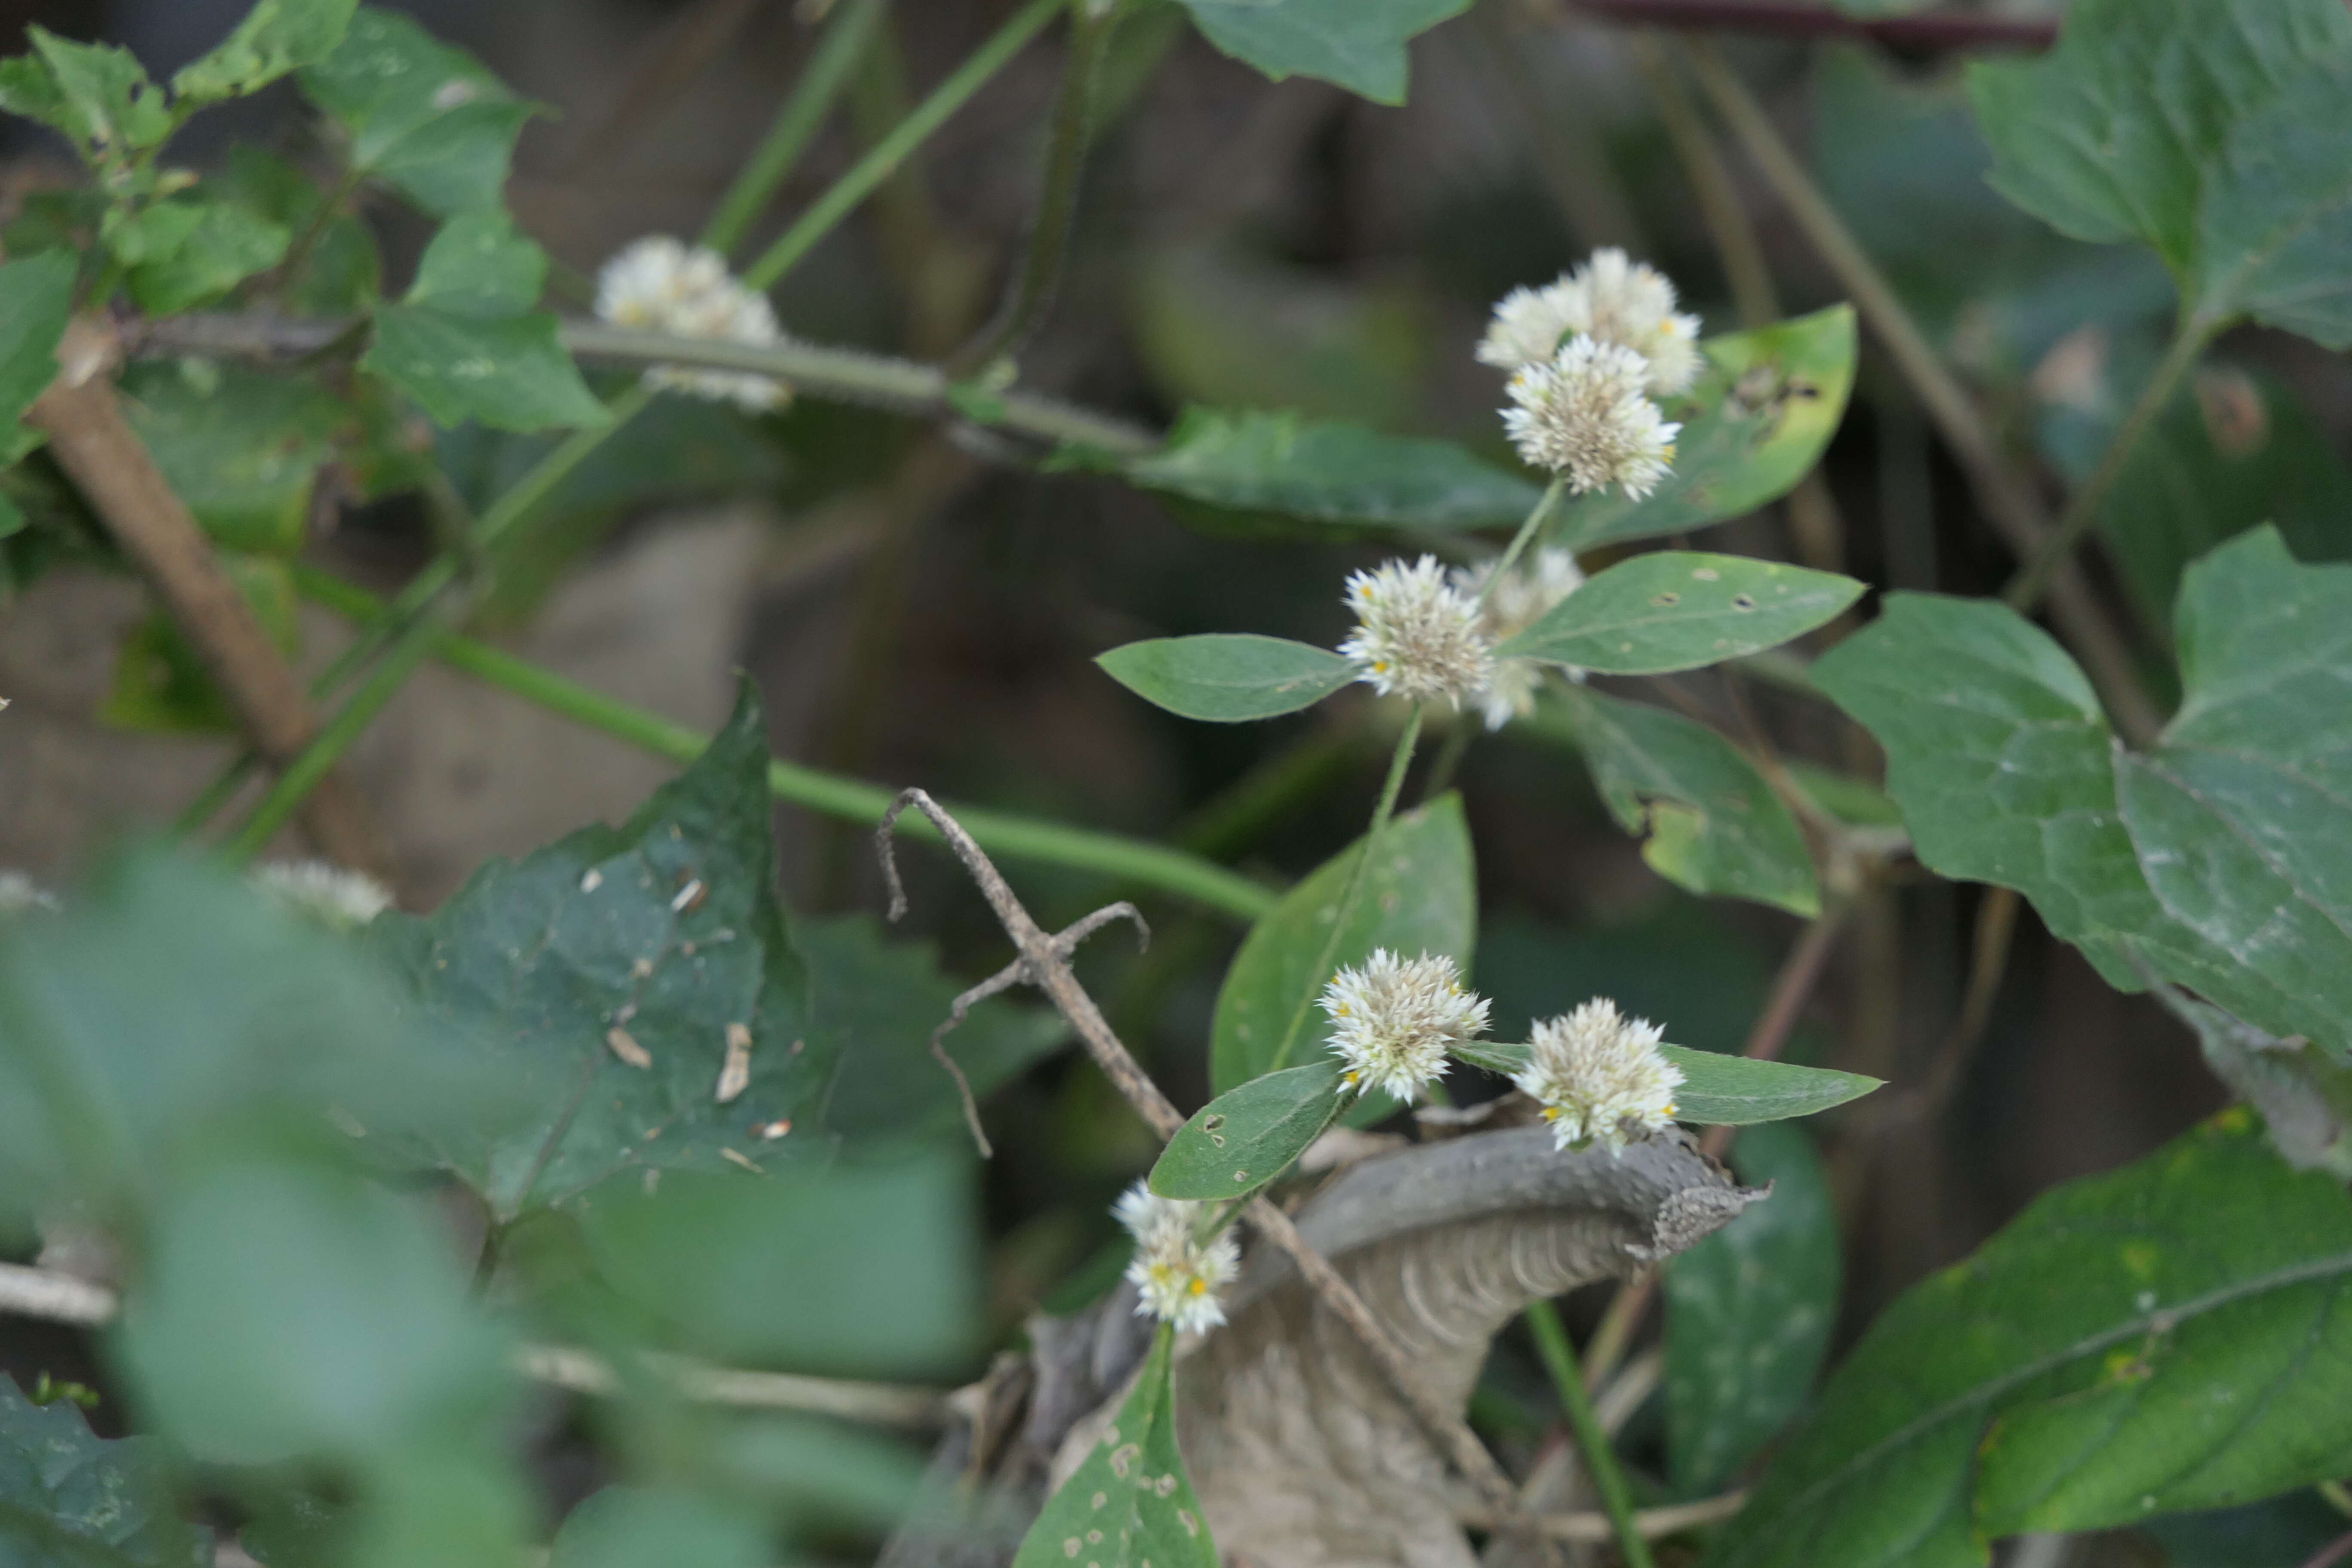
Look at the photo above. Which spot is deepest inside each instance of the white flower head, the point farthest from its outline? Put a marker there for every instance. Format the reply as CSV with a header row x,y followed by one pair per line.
x,y
1528,593
1610,297
328,894
1182,1279
1394,1019
1417,635
1600,1077
662,284
20,895
1584,414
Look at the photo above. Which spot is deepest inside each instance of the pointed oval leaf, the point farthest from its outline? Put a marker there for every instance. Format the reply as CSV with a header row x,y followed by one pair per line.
x,y
1718,1090
1244,1138
1356,44
1130,1504
1228,679
1679,610
427,119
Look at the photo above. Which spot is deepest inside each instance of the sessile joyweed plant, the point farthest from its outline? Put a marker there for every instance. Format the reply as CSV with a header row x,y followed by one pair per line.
x,y
389,1235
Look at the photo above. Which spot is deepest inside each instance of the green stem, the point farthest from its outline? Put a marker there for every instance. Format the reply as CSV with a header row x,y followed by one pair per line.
x,y
1600,1458
1015,837
797,124
1525,537
2032,580
1359,874
869,173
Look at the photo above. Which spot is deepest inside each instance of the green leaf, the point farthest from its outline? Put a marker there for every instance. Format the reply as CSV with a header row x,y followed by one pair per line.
x,y
626,1527
36,300
1356,44
1719,1090
2305,1096
480,266
1758,421
97,94
242,447
1421,896
1130,1502
1228,680
610,971
1343,476
67,1497
342,274
1246,1137
226,244
1710,822
2285,1532
2167,1337
2210,130
2222,860
424,118
1680,610
277,36
1748,1314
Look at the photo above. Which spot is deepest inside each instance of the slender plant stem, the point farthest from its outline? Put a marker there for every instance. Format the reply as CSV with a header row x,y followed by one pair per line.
x,y
869,172
1521,539
2032,579
1600,1458
1358,876
797,124
1167,870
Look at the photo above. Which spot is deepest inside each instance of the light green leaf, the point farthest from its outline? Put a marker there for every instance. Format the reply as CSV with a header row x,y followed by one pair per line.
x,y
481,267
226,244
1748,1314
67,1498
1342,476
2222,859
424,118
616,973
277,36
1356,44
2167,1337
1421,896
1130,1503
1710,822
2212,131
627,1527
36,300
1679,610
241,447
97,94
1718,1090
1246,1137
1758,421
1228,680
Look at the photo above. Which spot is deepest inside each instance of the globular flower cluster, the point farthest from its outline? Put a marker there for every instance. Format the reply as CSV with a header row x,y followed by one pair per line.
x,y
1394,1019
1585,416
1612,299
1524,595
1182,1279
333,897
1600,1077
662,285
1417,634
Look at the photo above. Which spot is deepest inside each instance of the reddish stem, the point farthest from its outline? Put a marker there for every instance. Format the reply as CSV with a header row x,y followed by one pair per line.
x,y
1935,33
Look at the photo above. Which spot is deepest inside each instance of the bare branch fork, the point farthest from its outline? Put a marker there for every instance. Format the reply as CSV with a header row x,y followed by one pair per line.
x,y
1044,963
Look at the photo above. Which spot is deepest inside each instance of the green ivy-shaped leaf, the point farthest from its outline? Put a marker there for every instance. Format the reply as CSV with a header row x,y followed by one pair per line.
x,y
2222,859
276,37
641,981
1246,1137
1679,610
67,1497
2213,131
1356,44
1130,1503
1228,679
427,119
2167,1337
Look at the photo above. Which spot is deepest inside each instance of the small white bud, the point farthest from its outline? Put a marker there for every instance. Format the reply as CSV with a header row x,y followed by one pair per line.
x,y
662,284
1182,1279
1584,414
328,894
1416,634
1394,1019
1526,594
1600,1077
1610,297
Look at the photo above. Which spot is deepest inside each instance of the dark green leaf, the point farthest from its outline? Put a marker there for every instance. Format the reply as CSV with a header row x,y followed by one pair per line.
x,y
342,274
36,300
1421,896
1721,1090
1748,1314
97,94
1246,1137
424,117
1324,472
228,244
2285,1532
616,972
2171,1336
2210,130
1709,821
69,1498
1756,421
243,447
480,266
276,36
1680,610
2220,859
1357,44
512,374
1228,680
1130,1502
627,1527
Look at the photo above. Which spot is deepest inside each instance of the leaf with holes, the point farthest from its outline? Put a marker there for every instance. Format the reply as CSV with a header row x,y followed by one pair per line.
x,y
1356,44
424,118
2167,1337
277,36
1228,680
621,972
1130,1503
1680,610
1758,421
67,1497
1246,1137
